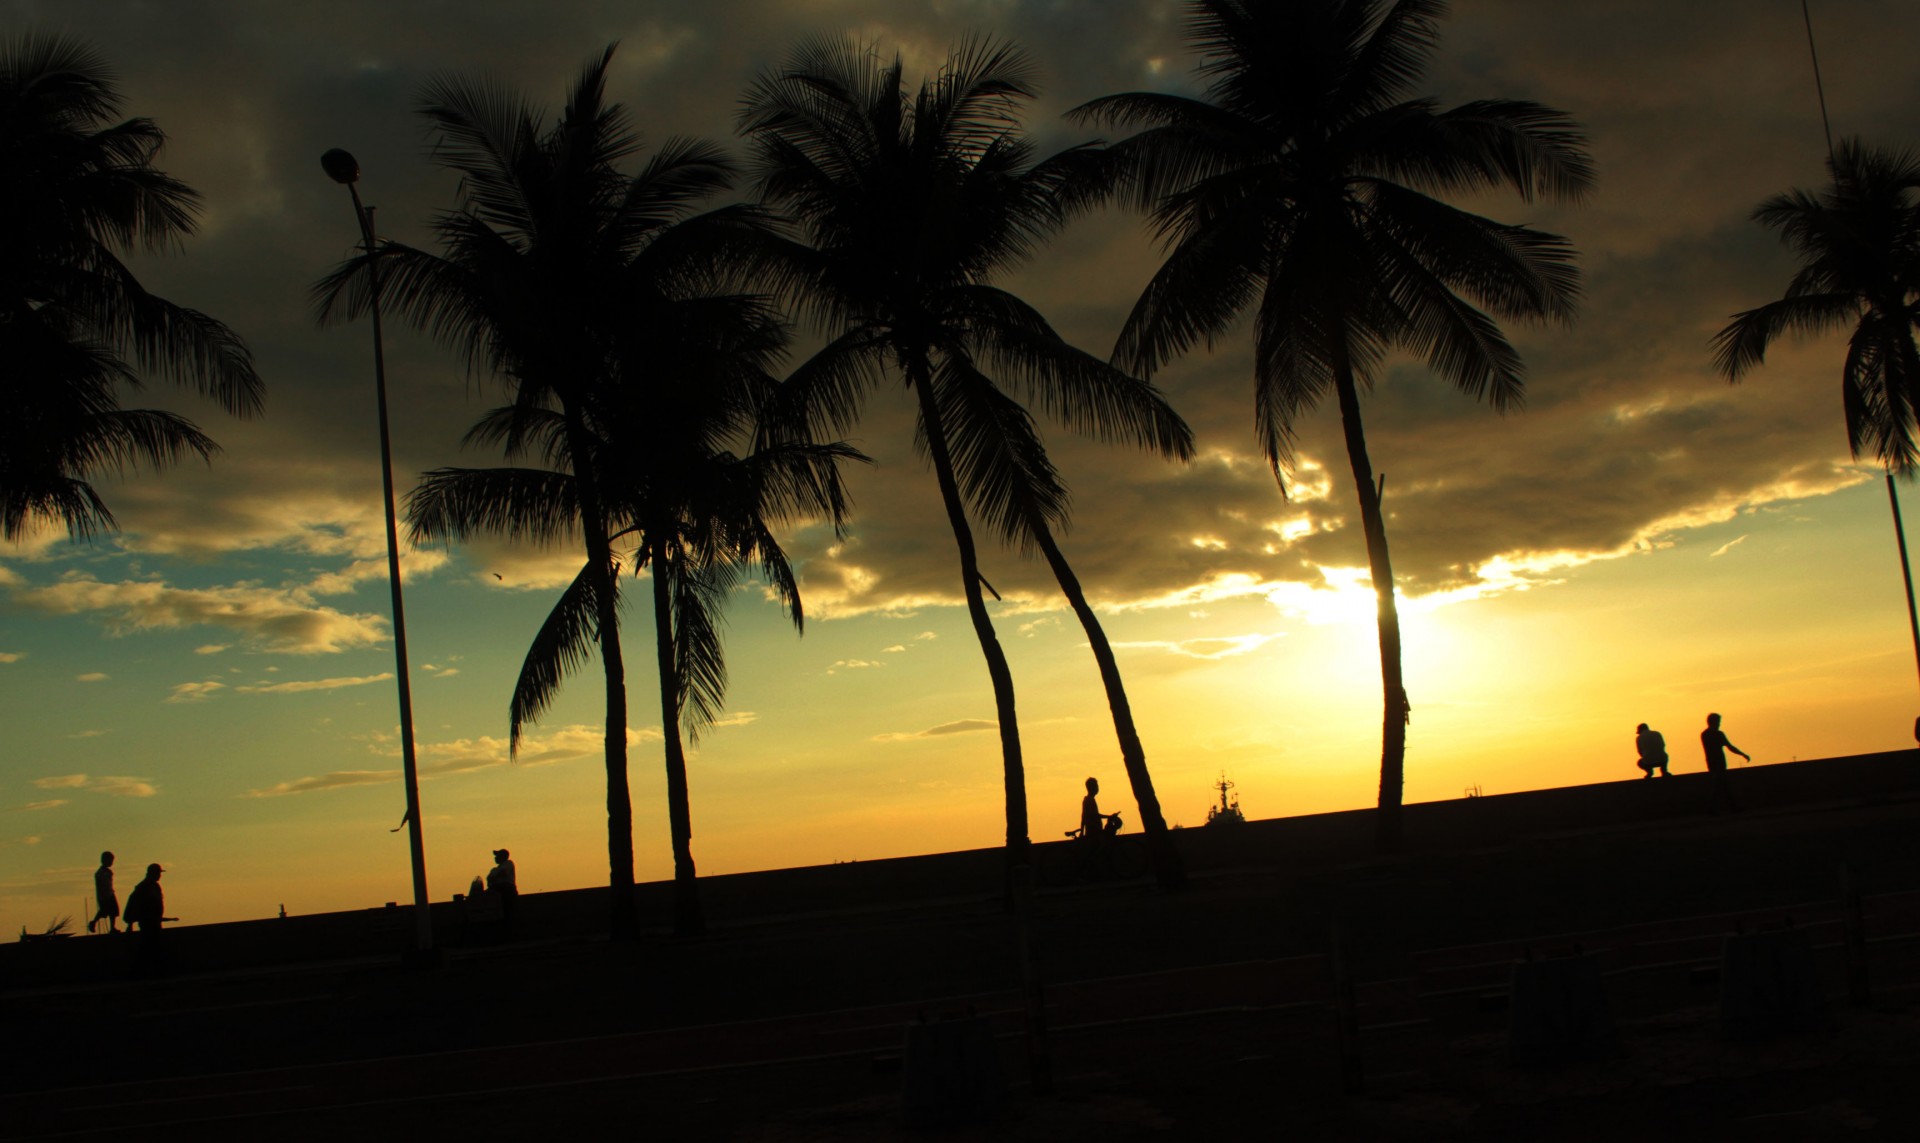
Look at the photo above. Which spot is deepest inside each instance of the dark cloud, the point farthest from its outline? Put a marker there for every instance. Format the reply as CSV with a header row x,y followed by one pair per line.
x,y
1696,113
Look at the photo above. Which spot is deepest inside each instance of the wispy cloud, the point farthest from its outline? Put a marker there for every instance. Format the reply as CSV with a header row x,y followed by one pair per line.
x,y
418,562
12,656
276,619
46,805
296,686
964,726
853,665
195,692
923,637
117,786
466,755
86,734
1220,647
210,648
92,677
1723,549
334,780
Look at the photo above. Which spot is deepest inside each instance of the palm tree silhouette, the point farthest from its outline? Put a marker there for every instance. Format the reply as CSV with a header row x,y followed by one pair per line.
x,y
1302,188
75,324
553,264
692,512
911,202
1859,246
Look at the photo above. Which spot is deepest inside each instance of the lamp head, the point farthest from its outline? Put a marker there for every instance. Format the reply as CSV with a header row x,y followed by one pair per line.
x,y
340,167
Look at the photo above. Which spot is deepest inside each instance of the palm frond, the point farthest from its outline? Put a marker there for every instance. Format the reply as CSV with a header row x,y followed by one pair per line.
x,y
999,461
1084,393
1534,150
698,599
564,644
1208,279
1741,346
515,503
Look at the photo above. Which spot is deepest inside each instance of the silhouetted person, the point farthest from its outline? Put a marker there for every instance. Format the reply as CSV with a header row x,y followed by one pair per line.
x,y
1094,825
1653,751
1716,745
501,881
109,910
147,907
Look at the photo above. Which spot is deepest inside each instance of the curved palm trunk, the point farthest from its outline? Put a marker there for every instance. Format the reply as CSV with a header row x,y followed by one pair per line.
x,y
1389,826
623,918
687,918
1168,869
1014,771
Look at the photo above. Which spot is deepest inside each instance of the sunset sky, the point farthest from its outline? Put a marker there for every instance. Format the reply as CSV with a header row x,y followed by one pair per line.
x,y
212,688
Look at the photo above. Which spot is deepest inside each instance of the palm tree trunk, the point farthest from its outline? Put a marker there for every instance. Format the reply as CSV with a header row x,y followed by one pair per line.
x,y
1168,869
623,918
687,919
1014,772
1389,826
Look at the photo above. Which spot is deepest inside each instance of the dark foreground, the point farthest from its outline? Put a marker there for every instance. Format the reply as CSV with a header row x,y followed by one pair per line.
x,y
1213,1013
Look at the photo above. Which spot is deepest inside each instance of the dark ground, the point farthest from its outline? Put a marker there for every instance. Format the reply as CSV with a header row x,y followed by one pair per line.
x,y
1204,1014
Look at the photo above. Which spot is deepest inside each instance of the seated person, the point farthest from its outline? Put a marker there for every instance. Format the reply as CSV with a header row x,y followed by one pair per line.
x,y
1095,825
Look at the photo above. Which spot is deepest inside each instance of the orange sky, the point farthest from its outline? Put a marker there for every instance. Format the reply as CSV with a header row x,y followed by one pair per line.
x,y
1642,543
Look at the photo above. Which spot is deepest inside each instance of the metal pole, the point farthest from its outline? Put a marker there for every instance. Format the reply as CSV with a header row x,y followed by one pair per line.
x,y
342,168
1906,569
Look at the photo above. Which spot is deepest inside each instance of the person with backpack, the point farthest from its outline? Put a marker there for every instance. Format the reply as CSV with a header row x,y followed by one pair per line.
x,y
147,907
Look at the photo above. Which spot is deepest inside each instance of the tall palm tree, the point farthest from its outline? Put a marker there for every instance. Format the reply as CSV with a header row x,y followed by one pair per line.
x,y
1303,187
76,327
910,203
553,252
1859,246
1010,480
683,504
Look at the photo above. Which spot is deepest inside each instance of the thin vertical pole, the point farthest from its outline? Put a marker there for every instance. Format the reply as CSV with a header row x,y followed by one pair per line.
x,y
1906,570
1819,87
416,843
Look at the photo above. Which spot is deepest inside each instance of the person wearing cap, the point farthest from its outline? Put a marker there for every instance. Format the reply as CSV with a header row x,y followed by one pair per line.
x,y
146,907
500,879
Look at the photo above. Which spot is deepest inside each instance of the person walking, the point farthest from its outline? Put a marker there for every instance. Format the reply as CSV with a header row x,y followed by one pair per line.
x,y
109,901
1715,743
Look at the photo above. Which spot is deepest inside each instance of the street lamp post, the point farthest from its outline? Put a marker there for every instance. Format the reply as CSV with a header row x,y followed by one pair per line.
x,y
343,169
